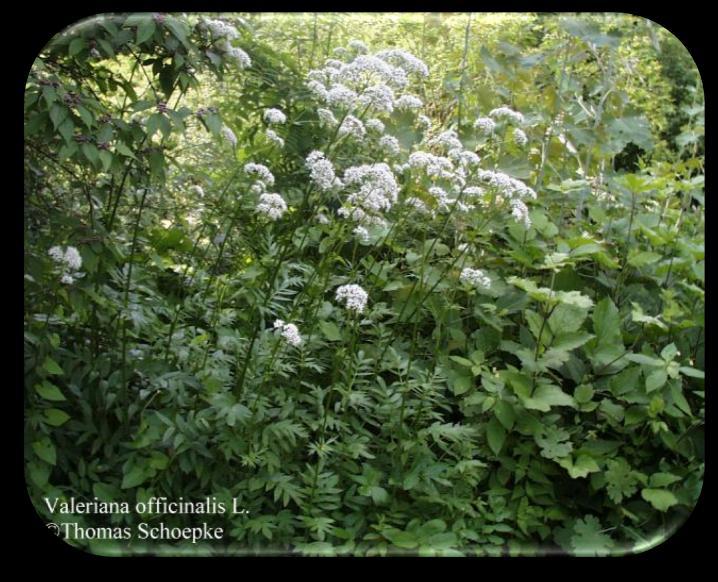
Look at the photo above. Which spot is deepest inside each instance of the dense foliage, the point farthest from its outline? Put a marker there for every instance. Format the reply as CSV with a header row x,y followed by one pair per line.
x,y
435,289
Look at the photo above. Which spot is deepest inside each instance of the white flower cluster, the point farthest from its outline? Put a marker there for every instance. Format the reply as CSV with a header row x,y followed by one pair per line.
x,y
380,97
423,122
197,189
520,212
390,145
229,135
326,117
447,140
352,126
224,32
485,125
274,116
69,261
271,205
321,170
506,186
265,178
520,137
361,233
507,114
408,102
358,46
353,297
475,277
220,29
366,81
274,137
237,55
375,125
288,331
377,192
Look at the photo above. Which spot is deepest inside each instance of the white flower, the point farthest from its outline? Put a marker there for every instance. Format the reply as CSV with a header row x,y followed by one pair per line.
x,y
289,332
274,116
389,144
520,137
73,259
321,170
353,297
423,122
520,212
418,204
56,254
341,96
263,173
358,46
405,60
239,56
197,189
447,139
485,125
229,135
407,102
380,97
377,190
322,218
375,125
326,117
273,137
272,205
475,277
352,126
361,233
69,262
505,113
220,29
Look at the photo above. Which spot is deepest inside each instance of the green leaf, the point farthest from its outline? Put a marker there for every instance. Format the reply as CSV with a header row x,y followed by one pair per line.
x,y
52,367
49,391
45,450
660,499
56,417
692,372
75,46
134,477
658,480
86,116
656,380
145,30
645,360
589,539
495,435
330,331
571,340
504,412
581,467
547,395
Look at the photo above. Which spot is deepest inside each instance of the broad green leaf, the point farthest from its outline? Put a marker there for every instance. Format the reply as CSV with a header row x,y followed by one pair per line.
x,y
660,499
547,395
52,367
56,417
49,391
495,435
45,450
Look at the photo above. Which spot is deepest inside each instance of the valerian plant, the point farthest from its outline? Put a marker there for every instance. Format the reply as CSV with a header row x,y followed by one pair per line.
x,y
300,287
